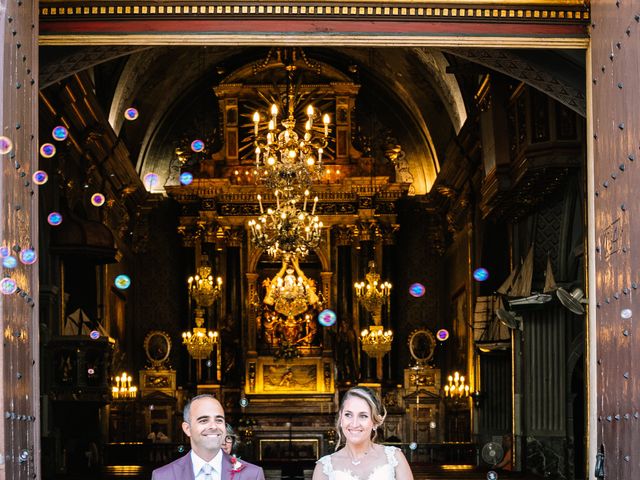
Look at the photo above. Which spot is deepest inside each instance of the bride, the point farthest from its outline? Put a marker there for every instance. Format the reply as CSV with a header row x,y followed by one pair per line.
x,y
361,413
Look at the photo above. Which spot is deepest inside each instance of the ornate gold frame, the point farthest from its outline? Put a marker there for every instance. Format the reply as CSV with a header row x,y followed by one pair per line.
x,y
432,343
269,376
155,362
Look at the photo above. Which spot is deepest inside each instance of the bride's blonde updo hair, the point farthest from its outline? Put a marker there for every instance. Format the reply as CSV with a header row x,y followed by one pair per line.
x,y
378,412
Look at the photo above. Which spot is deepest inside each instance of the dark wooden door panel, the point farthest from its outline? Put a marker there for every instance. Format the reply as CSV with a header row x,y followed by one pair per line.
x,y
20,435
616,123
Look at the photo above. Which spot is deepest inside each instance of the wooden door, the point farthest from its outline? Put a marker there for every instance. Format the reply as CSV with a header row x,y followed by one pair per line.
x,y
615,119
20,435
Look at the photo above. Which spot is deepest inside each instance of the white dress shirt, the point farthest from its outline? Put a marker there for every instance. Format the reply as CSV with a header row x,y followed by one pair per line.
x,y
198,463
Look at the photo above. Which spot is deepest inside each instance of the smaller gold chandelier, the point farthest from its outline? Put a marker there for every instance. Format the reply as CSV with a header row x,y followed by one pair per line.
x,y
202,288
122,388
373,294
376,342
287,229
199,342
456,386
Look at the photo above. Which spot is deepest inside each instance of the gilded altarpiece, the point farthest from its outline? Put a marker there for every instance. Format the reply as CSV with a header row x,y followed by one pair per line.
x,y
288,353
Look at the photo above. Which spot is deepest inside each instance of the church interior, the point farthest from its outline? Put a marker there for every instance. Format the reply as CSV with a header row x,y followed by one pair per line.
x,y
419,230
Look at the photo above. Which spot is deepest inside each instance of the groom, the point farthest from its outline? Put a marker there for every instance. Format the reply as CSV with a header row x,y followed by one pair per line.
x,y
205,426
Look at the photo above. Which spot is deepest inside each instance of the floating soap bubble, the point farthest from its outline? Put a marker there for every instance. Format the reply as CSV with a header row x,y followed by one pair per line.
x,y
626,313
54,219
186,178
413,446
480,274
28,256
244,402
327,318
47,150
131,113
6,145
4,252
209,363
491,475
94,334
442,334
417,290
60,133
97,199
8,286
10,262
91,371
40,177
197,146
151,180
122,282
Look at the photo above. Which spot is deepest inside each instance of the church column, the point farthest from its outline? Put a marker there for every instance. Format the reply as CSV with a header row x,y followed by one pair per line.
x,y
386,274
252,293
347,347
362,254
230,320
328,303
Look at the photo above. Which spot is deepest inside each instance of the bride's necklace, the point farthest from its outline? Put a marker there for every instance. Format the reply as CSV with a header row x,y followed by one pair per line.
x,y
354,460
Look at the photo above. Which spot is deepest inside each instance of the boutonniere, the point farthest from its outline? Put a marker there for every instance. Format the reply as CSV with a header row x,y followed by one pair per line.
x,y
236,465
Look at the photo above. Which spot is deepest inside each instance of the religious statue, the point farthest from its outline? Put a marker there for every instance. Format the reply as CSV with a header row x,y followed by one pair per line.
x,y
285,318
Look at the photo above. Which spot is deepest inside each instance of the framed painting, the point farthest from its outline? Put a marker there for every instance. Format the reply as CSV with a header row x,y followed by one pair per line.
x,y
301,375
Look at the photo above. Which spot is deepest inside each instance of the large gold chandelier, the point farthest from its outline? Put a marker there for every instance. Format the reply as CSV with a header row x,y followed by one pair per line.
x,y
287,229
373,294
202,288
288,162
285,161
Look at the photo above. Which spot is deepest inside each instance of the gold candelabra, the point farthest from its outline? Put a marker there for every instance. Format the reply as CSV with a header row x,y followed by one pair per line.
x,y
456,387
122,388
373,294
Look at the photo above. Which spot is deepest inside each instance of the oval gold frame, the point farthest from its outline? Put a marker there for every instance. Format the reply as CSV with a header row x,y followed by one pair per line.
x,y
423,332
155,362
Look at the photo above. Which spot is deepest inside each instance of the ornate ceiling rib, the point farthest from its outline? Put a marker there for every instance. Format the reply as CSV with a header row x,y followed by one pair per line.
x,y
54,68
516,66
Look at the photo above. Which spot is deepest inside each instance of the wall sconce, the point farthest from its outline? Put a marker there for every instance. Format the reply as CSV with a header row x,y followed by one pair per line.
x,y
477,399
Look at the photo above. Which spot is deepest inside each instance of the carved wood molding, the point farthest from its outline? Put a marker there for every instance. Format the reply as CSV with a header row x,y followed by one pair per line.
x,y
464,11
464,23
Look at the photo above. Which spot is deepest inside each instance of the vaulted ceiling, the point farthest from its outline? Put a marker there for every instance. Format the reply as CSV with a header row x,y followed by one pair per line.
x,y
421,95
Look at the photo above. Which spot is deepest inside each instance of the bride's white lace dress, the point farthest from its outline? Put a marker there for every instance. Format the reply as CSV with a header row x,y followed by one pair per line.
x,y
384,471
